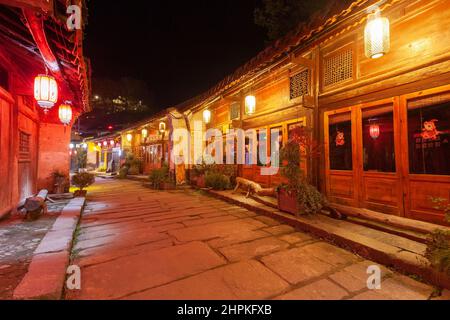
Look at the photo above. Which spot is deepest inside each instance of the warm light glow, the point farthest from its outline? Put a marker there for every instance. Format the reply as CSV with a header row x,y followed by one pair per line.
x,y
65,114
105,143
129,137
377,36
71,146
144,133
207,116
162,127
45,91
374,131
250,105
99,144
112,143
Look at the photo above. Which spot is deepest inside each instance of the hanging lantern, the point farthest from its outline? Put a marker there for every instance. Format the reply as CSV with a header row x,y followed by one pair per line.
x,y
374,131
377,36
250,105
99,145
162,127
112,143
144,133
207,116
65,113
129,137
45,91
105,143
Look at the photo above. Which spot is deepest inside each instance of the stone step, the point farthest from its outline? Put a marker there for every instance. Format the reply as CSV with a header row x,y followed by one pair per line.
x,y
396,251
410,229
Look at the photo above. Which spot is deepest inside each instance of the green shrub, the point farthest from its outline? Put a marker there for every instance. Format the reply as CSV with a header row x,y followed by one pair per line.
x,y
133,164
217,181
309,199
123,173
83,180
438,250
159,176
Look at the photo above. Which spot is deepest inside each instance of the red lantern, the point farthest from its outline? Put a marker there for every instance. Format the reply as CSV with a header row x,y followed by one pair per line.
x,y
45,91
65,113
374,131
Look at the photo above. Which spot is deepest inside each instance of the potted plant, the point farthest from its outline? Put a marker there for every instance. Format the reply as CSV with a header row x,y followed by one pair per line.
x,y
59,182
133,164
198,175
82,181
160,179
217,181
297,196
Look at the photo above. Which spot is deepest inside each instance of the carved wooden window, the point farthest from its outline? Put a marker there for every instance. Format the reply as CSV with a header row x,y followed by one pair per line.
x,y
299,84
235,109
24,145
338,67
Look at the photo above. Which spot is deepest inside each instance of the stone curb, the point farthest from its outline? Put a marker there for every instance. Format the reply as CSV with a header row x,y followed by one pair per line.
x,y
47,271
371,249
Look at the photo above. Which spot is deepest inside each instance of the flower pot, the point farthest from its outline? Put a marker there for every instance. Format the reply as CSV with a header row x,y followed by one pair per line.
x,y
201,183
167,186
287,202
80,193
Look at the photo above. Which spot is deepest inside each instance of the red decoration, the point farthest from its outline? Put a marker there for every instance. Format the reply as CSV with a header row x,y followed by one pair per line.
x,y
430,131
340,139
374,131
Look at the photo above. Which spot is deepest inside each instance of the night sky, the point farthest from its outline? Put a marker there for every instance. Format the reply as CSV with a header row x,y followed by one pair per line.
x,y
179,48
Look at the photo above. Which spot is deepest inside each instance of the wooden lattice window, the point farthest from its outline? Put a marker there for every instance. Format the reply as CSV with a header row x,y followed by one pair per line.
x,y
24,145
338,67
235,109
299,84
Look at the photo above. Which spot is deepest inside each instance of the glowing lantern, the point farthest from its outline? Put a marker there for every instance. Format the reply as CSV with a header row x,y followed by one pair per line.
x,y
144,133
374,131
105,143
162,127
207,116
112,143
65,114
377,36
99,145
129,137
250,105
45,91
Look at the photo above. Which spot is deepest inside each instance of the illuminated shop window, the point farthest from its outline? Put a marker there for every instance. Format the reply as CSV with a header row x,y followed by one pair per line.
x,y
378,140
276,146
340,146
429,138
262,147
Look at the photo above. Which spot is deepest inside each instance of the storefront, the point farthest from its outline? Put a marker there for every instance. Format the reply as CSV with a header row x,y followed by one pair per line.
x,y
391,156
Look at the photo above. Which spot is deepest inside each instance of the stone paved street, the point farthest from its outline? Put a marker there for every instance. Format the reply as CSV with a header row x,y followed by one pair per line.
x,y
137,243
18,241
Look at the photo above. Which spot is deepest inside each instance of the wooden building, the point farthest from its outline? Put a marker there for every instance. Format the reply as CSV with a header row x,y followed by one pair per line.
x,y
383,117
34,40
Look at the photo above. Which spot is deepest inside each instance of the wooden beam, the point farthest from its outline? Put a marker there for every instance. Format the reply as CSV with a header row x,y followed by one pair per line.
x,y
308,63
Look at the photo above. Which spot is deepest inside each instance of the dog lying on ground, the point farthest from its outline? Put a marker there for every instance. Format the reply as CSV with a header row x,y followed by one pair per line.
x,y
252,188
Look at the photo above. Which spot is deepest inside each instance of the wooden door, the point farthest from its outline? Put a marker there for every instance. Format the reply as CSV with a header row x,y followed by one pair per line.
x,y
425,118
341,168
378,164
5,155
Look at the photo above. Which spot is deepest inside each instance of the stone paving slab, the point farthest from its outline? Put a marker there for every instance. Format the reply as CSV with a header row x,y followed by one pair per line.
x,y
319,290
146,270
240,281
253,249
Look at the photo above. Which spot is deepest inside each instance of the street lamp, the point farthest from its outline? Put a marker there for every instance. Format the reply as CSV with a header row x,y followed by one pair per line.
x,y
250,105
